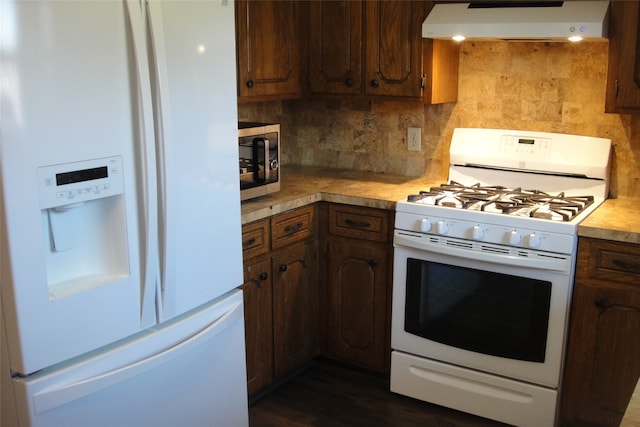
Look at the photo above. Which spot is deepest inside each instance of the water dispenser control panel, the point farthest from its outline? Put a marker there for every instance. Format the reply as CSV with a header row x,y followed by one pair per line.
x,y
77,182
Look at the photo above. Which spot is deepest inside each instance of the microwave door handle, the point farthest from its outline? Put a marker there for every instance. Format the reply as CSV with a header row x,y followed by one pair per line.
x,y
267,169
256,164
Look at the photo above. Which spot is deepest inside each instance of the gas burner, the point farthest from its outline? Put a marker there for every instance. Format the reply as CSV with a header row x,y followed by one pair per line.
x,y
503,200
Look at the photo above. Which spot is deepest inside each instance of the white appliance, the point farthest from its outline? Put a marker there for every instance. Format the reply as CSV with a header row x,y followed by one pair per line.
x,y
120,235
483,272
518,20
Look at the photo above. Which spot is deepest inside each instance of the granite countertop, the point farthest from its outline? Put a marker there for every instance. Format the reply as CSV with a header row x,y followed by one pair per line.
x,y
301,186
615,219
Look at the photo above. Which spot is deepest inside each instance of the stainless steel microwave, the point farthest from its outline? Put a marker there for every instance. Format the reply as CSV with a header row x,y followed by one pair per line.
x,y
259,150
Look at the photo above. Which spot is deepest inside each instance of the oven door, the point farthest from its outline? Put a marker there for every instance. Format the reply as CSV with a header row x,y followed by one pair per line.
x,y
490,308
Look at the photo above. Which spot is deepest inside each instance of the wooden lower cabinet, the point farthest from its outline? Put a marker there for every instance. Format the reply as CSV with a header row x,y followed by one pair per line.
x,y
280,296
603,357
357,261
295,299
357,303
258,315
301,301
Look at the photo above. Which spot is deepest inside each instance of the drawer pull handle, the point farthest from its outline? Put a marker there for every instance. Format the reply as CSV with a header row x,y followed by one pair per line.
x,y
626,265
293,228
283,267
358,223
263,276
249,242
373,263
600,303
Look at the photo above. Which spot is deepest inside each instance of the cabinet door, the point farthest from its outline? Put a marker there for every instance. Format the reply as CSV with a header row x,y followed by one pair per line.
x,y
603,361
258,324
623,80
394,47
603,356
357,304
268,49
335,47
295,296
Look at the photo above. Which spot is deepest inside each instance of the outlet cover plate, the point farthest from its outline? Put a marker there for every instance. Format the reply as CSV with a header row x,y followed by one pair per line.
x,y
414,139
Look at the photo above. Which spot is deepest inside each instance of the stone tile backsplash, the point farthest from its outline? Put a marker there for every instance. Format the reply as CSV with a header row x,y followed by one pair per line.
x,y
550,87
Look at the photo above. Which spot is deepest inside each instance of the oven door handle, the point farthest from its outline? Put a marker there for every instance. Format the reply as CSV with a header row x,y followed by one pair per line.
x,y
479,251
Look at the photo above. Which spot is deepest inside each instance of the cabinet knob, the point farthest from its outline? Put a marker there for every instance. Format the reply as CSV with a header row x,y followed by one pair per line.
x,y
348,82
600,303
250,84
375,83
283,267
263,276
373,263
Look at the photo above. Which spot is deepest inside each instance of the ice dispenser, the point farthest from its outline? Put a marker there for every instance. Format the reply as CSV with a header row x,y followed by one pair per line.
x,y
83,218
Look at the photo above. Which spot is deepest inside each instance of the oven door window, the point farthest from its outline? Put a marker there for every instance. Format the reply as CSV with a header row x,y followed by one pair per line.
x,y
481,311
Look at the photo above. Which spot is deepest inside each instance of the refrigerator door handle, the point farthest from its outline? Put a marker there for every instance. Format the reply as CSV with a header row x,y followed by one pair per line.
x,y
61,394
160,88
147,166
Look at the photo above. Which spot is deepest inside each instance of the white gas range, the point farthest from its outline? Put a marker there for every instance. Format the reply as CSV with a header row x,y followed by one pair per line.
x,y
483,272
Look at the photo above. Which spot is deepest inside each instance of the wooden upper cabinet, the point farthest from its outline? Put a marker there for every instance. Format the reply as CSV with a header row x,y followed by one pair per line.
x,y
375,48
394,48
623,80
335,47
268,49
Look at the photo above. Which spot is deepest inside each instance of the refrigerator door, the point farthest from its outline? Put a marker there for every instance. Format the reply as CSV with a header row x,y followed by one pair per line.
x,y
193,51
70,245
188,372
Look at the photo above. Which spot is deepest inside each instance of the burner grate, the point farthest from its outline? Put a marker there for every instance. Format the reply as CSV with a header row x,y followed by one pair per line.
x,y
503,200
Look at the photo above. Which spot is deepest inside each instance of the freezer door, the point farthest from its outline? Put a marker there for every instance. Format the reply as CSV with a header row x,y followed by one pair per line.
x,y
189,372
193,52
69,232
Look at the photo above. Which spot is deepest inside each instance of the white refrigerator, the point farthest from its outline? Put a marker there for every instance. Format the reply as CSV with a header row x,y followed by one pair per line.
x,y
120,231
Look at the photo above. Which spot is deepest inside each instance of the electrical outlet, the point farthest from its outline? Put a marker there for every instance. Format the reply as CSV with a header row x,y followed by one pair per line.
x,y
414,139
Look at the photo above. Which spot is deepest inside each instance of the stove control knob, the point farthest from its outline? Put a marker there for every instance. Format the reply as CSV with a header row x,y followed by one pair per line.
x,y
442,227
477,233
425,225
534,240
514,238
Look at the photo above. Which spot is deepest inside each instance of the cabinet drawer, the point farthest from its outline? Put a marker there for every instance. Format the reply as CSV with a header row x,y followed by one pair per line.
x,y
255,238
611,261
291,226
359,223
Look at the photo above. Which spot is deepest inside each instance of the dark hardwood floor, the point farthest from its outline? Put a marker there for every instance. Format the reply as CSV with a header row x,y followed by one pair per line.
x,y
332,395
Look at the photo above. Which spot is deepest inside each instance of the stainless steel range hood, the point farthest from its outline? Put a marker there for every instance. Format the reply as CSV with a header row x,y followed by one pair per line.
x,y
519,20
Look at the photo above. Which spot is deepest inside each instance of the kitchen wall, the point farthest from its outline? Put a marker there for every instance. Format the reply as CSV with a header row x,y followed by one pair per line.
x,y
553,87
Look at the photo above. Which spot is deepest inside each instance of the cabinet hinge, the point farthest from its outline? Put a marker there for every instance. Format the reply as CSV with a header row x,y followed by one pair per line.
x,y
423,81
616,86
